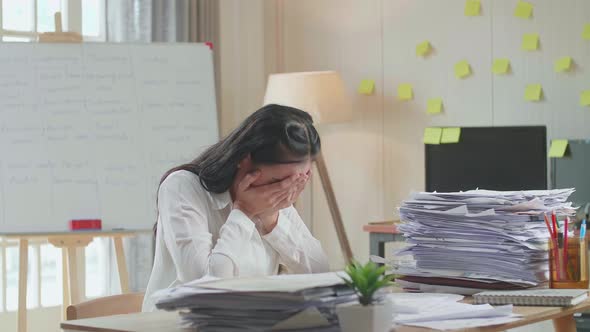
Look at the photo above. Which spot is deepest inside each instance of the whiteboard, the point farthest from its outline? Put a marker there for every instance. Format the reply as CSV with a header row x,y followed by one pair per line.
x,y
87,130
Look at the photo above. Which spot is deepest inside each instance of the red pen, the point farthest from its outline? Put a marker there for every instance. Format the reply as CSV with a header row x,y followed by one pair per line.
x,y
565,248
554,219
551,233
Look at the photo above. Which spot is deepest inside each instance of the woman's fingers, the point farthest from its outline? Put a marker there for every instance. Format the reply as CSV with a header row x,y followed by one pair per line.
x,y
248,180
283,185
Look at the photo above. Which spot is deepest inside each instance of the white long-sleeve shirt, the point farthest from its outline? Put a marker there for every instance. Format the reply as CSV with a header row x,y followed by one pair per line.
x,y
199,233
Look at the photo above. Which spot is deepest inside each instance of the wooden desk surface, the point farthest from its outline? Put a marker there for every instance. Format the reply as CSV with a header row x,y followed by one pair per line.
x,y
168,321
388,228
159,321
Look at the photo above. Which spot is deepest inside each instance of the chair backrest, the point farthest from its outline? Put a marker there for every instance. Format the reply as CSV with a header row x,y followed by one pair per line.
x,y
106,306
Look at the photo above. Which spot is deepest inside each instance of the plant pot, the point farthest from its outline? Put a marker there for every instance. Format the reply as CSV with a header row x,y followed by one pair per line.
x,y
372,318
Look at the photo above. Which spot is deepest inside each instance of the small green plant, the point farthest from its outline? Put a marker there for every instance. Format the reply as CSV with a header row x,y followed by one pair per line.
x,y
366,280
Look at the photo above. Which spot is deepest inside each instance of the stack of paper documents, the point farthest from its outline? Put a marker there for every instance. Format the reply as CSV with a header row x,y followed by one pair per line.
x,y
476,240
284,302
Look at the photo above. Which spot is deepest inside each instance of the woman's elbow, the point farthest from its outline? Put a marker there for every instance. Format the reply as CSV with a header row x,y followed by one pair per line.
x,y
221,266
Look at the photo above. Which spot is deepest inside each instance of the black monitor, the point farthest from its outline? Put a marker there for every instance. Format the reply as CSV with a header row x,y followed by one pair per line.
x,y
495,158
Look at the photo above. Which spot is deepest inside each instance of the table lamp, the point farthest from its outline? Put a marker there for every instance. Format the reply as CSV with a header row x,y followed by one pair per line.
x,y
323,95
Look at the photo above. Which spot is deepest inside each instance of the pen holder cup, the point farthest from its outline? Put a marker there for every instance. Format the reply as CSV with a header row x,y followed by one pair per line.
x,y
568,267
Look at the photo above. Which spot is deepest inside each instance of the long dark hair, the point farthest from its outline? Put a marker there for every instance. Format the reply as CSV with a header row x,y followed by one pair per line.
x,y
274,134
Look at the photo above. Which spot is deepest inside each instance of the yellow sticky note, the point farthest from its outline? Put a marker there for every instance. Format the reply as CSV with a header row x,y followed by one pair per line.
x,y
558,148
462,69
586,32
501,66
432,135
523,10
423,48
405,91
450,135
434,106
472,7
533,92
585,98
563,64
530,42
366,87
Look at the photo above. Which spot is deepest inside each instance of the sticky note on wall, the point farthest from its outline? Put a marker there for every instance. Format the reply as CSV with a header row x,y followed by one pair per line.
x,y
405,91
432,135
366,87
530,42
423,49
558,148
450,135
563,64
501,66
434,106
586,32
585,98
523,10
533,92
462,69
472,7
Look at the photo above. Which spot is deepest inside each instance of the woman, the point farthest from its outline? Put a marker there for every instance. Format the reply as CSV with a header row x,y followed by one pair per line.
x,y
229,212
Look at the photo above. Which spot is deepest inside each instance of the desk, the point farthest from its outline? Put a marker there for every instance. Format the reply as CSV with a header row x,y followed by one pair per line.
x,y
379,234
168,321
69,242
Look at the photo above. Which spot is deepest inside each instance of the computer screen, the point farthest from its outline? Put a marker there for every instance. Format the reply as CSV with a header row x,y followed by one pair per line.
x,y
495,158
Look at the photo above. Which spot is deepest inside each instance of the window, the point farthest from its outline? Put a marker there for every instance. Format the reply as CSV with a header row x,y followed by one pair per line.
x,y
21,20
98,260
51,276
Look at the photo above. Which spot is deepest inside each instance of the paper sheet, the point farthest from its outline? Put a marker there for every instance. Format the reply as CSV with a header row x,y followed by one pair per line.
x,y
533,92
451,135
585,98
523,10
405,91
443,311
423,48
558,148
472,7
434,106
455,310
501,66
366,87
432,135
457,324
586,32
462,69
282,283
563,64
530,42
414,303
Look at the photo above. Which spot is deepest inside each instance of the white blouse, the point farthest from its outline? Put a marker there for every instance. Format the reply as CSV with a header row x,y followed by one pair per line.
x,y
199,233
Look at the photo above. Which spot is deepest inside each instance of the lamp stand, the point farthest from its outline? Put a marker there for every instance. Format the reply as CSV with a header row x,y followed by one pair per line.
x,y
334,210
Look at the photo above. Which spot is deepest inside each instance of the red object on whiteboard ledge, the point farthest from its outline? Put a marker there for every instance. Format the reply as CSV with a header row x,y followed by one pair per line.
x,y
85,224
210,44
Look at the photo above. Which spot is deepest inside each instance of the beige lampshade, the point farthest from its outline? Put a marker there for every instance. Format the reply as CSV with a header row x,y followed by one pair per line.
x,y
322,94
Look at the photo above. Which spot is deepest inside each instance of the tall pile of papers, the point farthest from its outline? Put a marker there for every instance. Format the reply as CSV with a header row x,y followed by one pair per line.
x,y
284,302
470,241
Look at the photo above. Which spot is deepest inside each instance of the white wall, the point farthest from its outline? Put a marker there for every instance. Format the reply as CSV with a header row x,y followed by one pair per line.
x,y
377,159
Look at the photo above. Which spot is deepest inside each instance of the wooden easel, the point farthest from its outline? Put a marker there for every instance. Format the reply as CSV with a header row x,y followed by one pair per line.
x,y
69,242
59,36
